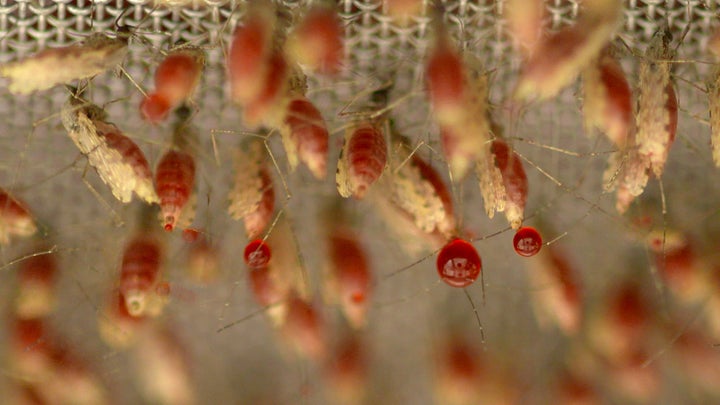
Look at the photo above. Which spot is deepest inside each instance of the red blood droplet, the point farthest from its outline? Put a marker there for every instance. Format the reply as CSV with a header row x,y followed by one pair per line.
x,y
257,254
458,263
527,241
155,108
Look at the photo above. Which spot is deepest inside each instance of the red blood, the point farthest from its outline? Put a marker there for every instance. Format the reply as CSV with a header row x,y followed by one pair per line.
x,y
257,254
573,390
265,290
155,108
643,222
176,77
433,177
29,333
258,110
317,41
619,109
174,181
257,221
403,9
351,265
10,208
347,370
678,267
131,153
513,173
527,241
629,310
366,158
304,328
351,274
461,361
191,235
30,395
38,269
163,289
203,261
564,273
656,244
552,52
309,132
445,80
247,57
140,265
30,347
458,263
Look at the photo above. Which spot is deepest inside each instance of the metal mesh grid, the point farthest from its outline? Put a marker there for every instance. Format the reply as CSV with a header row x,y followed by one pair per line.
x,y
239,363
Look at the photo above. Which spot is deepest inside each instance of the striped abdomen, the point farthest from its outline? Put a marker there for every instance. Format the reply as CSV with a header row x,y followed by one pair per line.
x,y
363,161
309,133
139,273
140,265
174,182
